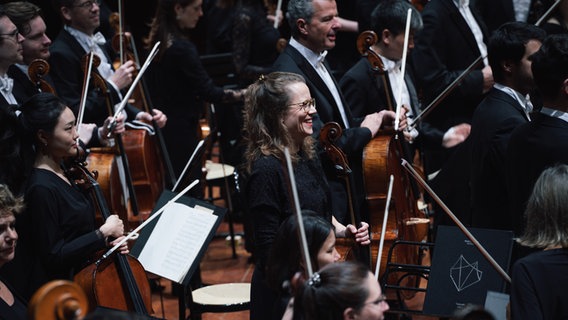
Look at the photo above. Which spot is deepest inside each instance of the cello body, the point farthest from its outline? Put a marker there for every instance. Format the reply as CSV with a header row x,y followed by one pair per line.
x,y
146,169
382,158
104,285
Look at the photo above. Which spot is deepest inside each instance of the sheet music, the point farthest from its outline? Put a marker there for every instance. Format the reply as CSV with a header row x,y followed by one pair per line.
x,y
176,240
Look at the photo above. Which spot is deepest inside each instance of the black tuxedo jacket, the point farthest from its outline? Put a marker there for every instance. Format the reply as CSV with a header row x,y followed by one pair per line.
x,y
443,50
24,88
493,122
533,147
67,74
352,141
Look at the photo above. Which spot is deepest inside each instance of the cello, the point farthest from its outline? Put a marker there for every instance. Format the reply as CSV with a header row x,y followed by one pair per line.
x,y
157,171
381,159
118,283
329,133
37,70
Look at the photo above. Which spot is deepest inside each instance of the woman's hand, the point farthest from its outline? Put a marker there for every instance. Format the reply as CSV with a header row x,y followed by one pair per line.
x,y
123,249
113,227
361,235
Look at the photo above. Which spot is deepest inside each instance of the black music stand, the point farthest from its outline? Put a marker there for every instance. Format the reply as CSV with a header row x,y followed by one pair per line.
x,y
142,247
460,274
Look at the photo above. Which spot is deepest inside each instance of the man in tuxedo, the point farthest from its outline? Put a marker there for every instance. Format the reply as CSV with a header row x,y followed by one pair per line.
x,y
453,37
365,89
10,53
505,107
77,39
314,25
543,141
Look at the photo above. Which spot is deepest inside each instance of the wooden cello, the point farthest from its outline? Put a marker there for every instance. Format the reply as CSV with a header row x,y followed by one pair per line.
x,y
329,134
37,70
119,283
381,159
154,172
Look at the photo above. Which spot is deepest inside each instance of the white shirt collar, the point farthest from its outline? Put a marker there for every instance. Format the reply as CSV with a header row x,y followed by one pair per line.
x,y
523,100
555,113
312,57
461,3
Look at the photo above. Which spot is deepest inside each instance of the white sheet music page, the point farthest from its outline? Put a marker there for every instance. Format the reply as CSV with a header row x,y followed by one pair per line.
x,y
176,240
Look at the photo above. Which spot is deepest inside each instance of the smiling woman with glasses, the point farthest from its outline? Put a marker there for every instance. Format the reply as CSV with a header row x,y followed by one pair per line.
x,y
279,114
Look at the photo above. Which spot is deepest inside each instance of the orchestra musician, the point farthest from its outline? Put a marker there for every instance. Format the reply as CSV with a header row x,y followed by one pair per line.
x,y
285,257
279,114
452,38
341,291
57,228
506,106
542,142
314,27
28,19
12,306
75,40
539,279
177,80
11,48
365,91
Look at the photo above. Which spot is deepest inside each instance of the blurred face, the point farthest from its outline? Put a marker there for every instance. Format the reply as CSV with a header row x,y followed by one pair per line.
x,y
8,238
375,306
327,253
524,81
10,44
298,119
83,15
63,141
36,43
395,45
321,31
188,16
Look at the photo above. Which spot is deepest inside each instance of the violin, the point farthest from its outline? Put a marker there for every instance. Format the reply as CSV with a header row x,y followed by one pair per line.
x,y
119,283
37,70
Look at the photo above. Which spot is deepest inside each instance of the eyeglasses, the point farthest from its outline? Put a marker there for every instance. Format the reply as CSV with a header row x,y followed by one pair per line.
x,y
88,4
306,105
13,34
382,298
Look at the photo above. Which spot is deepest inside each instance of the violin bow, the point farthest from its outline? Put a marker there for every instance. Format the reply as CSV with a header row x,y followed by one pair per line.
x,y
468,234
134,233
384,228
122,105
187,165
445,92
84,93
547,13
402,69
301,230
121,32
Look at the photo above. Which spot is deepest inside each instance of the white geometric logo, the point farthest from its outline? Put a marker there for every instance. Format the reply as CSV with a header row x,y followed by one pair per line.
x,y
464,274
